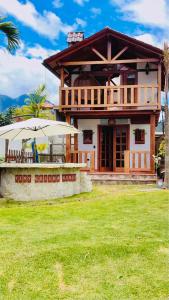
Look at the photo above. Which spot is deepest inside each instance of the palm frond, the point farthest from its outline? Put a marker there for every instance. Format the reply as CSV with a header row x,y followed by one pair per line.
x,y
36,100
12,34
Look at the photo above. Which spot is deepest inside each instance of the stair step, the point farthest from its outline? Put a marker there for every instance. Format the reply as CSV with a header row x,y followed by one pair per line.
x,y
123,178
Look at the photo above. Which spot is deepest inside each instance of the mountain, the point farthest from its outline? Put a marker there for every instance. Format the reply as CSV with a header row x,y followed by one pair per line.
x,y
6,101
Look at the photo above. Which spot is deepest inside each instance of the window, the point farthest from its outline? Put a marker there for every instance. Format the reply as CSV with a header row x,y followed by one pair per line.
x,y
87,137
139,136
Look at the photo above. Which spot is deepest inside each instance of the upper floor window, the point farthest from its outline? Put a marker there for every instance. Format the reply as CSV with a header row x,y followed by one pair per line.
x,y
129,78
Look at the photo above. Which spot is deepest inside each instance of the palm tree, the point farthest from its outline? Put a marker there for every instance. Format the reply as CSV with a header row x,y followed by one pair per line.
x,y
34,108
166,67
36,101
11,33
34,105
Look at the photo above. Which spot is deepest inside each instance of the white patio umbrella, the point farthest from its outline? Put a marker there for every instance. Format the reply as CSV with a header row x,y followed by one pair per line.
x,y
34,128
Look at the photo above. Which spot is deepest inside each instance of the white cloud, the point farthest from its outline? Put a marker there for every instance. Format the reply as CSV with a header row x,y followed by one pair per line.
x,y
20,74
95,11
57,3
47,24
81,2
38,52
81,22
147,12
149,39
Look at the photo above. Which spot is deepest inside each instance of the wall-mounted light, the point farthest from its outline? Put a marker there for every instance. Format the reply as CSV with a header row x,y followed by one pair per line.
x,y
147,68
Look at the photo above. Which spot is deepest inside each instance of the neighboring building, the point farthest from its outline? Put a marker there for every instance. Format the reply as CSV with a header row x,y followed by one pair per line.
x,y
111,90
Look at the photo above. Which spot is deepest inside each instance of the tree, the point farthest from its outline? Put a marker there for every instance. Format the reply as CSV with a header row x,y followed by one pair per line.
x,y
34,105
6,118
34,108
11,33
166,67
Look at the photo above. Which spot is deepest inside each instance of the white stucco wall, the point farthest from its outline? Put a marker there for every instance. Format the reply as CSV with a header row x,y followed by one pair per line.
x,y
148,79
92,124
89,124
140,147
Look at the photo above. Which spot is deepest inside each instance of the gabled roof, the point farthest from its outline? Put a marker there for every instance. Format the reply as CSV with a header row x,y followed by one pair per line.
x,y
82,50
106,31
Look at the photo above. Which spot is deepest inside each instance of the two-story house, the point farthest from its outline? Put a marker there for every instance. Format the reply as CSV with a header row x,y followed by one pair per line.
x,y
111,90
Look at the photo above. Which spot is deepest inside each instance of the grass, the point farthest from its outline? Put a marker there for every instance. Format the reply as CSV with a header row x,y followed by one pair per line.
x,y
109,244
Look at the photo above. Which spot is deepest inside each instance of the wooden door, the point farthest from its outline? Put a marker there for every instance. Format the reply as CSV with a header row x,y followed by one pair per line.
x,y
105,156
121,143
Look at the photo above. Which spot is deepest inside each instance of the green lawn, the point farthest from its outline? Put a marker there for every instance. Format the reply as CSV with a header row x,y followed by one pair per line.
x,y
109,244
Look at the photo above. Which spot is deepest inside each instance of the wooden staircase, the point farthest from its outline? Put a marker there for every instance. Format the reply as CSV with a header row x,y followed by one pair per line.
x,y
122,178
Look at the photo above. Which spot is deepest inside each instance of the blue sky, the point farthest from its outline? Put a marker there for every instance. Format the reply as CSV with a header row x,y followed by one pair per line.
x,y
43,26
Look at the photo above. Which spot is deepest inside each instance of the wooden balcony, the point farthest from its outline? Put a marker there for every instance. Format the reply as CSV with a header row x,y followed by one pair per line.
x,y
110,97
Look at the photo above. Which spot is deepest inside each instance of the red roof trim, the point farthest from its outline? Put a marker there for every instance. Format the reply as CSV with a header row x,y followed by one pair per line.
x,y
98,35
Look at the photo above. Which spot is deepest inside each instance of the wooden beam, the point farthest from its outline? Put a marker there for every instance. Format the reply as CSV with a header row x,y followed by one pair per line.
x,y
62,76
152,142
119,53
98,54
109,50
68,142
101,62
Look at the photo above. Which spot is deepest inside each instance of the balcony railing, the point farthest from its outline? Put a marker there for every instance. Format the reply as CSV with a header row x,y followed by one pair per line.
x,y
110,97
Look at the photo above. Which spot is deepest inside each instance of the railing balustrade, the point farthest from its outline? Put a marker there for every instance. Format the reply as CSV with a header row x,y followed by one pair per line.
x,y
101,97
136,161
87,157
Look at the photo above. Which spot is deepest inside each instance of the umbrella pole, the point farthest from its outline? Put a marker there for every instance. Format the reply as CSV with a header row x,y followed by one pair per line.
x,y
35,152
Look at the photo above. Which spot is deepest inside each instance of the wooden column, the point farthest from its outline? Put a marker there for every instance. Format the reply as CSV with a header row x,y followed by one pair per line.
x,y
61,95
76,136
152,143
159,86
62,77
68,142
76,141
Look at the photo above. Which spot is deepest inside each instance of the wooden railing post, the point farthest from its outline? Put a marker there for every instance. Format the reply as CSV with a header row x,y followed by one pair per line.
x,y
126,161
92,161
68,142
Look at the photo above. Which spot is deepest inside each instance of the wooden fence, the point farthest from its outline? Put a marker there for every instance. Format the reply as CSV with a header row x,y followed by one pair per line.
x,y
19,156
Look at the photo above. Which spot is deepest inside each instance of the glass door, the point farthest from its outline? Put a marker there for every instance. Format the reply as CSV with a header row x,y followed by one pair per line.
x,y
121,142
106,149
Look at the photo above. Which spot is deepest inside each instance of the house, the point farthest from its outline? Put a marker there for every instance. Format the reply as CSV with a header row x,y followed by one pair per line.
x,y
110,88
